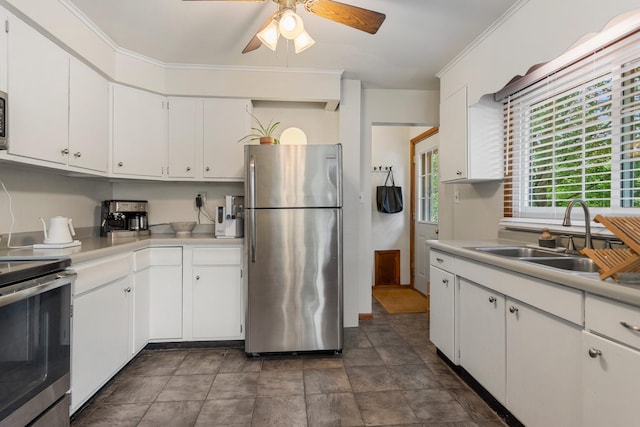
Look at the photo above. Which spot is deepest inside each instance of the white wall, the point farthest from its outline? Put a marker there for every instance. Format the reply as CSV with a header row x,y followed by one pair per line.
x,y
390,146
35,193
535,32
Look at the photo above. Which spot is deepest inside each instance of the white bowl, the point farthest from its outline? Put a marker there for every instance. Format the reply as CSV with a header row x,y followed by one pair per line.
x,y
183,228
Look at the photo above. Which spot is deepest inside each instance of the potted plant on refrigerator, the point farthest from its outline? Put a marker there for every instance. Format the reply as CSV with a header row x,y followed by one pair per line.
x,y
262,133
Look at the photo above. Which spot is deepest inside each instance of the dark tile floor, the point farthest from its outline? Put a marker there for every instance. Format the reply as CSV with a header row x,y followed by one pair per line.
x,y
388,375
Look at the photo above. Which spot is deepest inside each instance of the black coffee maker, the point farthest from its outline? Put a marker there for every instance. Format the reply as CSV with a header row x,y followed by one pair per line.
x,y
124,216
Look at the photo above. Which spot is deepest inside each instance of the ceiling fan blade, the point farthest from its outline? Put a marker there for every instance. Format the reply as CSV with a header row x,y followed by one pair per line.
x,y
255,42
353,16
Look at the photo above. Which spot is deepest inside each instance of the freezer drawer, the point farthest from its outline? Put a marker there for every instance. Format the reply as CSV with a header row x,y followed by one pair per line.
x,y
294,265
293,176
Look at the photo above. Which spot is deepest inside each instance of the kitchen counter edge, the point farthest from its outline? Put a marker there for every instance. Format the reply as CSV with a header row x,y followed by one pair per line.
x,y
588,282
97,247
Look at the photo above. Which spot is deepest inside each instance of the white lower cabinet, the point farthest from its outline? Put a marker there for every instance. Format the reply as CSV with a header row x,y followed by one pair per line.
x,y
610,359
611,382
102,324
519,337
165,294
482,336
216,294
542,353
442,304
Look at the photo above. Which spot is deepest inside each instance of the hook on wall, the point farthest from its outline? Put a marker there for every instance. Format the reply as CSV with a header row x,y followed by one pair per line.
x,y
382,168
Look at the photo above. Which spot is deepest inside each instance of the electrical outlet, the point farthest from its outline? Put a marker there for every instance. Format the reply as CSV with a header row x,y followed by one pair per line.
x,y
203,197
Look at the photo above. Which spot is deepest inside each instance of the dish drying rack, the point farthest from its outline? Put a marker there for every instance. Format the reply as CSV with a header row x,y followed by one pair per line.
x,y
614,261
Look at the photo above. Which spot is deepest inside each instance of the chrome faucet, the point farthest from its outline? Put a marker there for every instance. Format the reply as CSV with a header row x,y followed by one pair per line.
x,y
587,221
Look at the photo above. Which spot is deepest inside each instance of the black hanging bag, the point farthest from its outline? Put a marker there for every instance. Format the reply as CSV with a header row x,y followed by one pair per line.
x,y
389,197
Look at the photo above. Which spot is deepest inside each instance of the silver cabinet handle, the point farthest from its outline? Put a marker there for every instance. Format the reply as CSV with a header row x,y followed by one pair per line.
x,y
445,282
77,154
65,151
594,352
207,169
440,260
188,168
120,164
127,290
632,327
513,309
493,299
458,173
197,277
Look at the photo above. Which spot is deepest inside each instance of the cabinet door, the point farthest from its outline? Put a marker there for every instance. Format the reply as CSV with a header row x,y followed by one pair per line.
x,y
100,338
442,311
453,136
165,299
38,81
88,118
217,302
482,335
543,354
4,15
139,132
184,117
141,307
611,382
225,122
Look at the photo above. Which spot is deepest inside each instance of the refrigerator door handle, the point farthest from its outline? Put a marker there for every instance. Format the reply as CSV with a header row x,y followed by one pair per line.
x,y
252,211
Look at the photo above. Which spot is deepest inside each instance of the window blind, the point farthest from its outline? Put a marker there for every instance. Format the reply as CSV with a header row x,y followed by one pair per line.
x,y
576,135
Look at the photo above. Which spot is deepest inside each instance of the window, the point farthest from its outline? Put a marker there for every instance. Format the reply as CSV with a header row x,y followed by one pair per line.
x,y
576,135
428,186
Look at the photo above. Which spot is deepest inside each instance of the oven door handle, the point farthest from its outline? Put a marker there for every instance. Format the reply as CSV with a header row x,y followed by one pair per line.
x,y
40,285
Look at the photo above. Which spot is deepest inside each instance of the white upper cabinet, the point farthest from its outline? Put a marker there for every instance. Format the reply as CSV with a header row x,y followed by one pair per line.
x,y
225,122
4,16
38,83
470,139
185,132
88,118
139,133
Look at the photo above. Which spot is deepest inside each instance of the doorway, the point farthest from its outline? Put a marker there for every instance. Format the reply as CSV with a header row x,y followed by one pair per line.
x,y
424,205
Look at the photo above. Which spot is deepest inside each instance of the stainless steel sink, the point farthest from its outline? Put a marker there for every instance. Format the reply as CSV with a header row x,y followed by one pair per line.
x,y
546,258
517,251
581,264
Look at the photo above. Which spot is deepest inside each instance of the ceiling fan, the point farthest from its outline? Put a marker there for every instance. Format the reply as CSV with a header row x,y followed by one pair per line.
x,y
286,22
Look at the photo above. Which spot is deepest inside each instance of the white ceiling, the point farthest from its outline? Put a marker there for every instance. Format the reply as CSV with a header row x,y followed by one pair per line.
x,y
417,39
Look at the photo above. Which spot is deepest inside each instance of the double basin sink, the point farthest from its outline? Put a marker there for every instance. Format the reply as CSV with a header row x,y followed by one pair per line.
x,y
574,263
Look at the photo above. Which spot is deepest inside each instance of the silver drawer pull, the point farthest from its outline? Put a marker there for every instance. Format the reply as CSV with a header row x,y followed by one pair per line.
x,y
440,260
445,281
594,352
493,299
628,326
513,309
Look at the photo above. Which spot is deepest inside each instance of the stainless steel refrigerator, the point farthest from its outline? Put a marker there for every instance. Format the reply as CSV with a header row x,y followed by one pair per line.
x,y
293,248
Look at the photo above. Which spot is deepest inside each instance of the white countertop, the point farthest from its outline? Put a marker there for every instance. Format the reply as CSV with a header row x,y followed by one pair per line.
x,y
95,247
588,282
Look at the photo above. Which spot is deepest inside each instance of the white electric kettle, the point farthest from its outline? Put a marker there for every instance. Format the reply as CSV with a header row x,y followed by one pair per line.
x,y
60,230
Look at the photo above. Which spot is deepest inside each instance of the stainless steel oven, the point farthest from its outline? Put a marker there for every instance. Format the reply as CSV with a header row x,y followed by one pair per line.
x,y
35,341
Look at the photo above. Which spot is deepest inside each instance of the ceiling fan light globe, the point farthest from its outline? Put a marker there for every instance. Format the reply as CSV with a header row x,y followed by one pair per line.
x,y
291,25
269,36
303,42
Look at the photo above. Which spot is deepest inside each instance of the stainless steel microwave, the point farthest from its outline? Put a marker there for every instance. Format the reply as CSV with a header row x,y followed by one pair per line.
x,y
4,109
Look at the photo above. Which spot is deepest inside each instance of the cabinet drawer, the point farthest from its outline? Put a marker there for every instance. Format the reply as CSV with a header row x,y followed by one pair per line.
x,y
441,260
92,274
166,256
606,317
217,256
